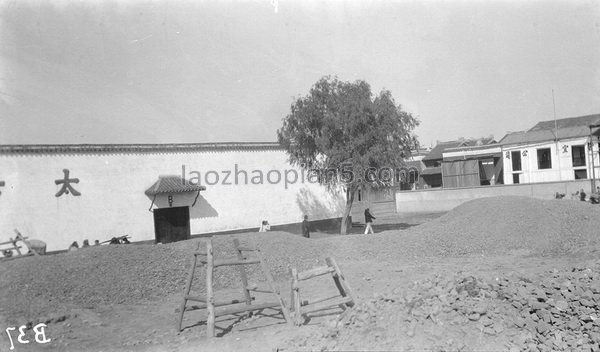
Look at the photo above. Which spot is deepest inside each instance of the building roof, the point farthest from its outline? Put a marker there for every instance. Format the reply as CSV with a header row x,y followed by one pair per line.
x,y
172,184
581,121
421,152
535,136
437,152
544,131
132,148
527,137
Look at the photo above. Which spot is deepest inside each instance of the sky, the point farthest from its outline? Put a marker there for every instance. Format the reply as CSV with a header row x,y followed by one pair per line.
x,y
228,71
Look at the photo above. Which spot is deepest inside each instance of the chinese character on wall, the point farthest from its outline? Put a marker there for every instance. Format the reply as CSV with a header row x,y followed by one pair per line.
x,y
66,185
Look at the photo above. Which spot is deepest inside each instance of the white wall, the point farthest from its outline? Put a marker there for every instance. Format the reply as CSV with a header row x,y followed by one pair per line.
x,y
562,166
113,202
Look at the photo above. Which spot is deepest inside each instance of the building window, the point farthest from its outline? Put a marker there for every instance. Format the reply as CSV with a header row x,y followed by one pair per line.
x,y
578,155
516,179
516,160
544,159
413,176
581,174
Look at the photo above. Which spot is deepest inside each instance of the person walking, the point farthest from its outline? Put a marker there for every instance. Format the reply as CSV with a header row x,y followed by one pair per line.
x,y
305,227
369,221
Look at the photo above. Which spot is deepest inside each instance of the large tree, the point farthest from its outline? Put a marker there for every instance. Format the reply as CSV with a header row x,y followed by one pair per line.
x,y
342,127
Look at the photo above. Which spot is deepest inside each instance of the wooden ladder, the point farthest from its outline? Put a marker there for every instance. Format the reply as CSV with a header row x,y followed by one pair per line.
x,y
343,300
209,303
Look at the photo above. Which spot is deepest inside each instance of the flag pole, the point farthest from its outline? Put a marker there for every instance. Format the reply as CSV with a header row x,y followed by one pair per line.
x,y
556,137
555,123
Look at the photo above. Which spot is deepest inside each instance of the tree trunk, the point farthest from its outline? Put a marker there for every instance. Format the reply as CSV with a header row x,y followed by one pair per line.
x,y
349,201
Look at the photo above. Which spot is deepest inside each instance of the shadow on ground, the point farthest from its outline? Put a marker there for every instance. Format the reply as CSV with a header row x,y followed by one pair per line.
x,y
397,222
358,228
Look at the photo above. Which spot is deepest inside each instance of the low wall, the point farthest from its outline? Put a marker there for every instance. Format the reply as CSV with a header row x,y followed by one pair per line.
x,y
438,200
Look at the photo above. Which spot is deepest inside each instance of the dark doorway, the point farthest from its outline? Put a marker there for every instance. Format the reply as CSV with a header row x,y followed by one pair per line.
x,y
172,224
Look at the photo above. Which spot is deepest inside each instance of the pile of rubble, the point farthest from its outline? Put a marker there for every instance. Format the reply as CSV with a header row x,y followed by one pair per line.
x,y
556,311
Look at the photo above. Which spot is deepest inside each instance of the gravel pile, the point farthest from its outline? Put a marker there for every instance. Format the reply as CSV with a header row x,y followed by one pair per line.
x,y
487,226
500,225
556,311
126,274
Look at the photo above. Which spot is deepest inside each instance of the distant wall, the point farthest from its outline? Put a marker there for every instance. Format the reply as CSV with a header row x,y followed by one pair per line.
x,y
436,200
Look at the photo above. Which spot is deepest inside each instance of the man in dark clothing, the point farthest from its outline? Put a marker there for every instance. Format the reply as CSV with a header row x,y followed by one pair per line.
x,y
582,195
305,228
369,220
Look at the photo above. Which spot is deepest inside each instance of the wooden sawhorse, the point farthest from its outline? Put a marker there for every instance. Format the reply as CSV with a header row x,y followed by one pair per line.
x,y
343,300
207,259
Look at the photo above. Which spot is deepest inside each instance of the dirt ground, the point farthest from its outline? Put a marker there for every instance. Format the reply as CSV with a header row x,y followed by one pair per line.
x,y
152,327
395,309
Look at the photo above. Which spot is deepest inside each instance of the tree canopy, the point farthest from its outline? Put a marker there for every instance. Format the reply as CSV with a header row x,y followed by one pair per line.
x,y
342,127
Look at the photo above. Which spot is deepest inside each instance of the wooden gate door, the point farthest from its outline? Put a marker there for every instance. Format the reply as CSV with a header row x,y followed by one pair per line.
x,y
172,224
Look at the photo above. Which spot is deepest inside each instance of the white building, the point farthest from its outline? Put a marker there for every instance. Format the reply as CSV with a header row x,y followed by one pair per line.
x,y
152,192
553,151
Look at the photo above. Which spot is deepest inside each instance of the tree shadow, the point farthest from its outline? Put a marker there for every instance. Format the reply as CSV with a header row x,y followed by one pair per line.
x,y
358,228
318,208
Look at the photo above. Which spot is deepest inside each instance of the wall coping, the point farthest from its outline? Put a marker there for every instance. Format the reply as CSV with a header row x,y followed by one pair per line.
x,y
10,149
